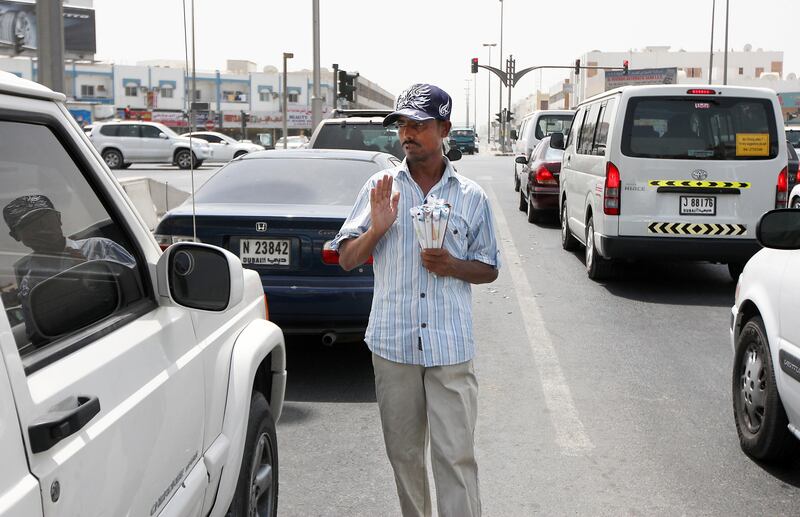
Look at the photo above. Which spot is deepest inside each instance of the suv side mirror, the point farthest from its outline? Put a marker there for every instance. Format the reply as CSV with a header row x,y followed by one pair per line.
x,y
557,141
453,154
200,276
521,159
163,136
780,229
514,135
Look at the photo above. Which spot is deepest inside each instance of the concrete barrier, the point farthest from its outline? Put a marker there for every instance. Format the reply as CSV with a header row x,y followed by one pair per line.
x,y
152,198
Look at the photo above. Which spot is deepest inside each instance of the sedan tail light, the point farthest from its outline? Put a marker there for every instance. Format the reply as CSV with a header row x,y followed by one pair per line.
x,y
611,201
331,256
544,176
782,188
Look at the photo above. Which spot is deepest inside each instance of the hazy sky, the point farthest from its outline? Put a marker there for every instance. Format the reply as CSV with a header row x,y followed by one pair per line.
x,y
398,43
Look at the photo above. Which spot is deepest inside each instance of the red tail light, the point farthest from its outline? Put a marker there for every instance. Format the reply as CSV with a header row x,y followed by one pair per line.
x,y
331,256
544,176
611,202
782,188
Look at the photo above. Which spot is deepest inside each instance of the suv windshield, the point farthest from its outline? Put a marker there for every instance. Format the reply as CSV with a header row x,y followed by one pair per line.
x,y
549,124
703,128
462,132
361,137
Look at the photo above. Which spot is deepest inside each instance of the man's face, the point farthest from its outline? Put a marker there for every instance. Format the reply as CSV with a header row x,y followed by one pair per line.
x,y
42,234
421,140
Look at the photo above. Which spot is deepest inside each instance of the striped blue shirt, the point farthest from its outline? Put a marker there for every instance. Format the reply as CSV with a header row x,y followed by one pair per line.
x,y
417,317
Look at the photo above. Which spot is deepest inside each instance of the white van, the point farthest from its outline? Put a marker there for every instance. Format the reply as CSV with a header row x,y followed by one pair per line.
x,y
678,172
533,128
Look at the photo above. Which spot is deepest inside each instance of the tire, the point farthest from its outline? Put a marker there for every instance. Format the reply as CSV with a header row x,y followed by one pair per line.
x,y
183,159
534,216
735,269
795,202
516,180
257,488
113,158
523,203
597,267
761,421
568,241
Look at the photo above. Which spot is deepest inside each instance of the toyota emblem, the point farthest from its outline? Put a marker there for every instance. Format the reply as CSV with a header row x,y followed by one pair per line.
x,y
699,174
261,227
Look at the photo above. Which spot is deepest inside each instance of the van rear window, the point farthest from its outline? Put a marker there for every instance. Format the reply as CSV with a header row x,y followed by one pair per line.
x,y
549,124
700,128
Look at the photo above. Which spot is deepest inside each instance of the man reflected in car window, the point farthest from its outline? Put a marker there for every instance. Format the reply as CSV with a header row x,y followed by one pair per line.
x,y
34,221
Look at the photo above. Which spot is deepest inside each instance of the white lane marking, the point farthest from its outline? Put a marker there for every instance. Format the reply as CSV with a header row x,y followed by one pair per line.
x,y
570,433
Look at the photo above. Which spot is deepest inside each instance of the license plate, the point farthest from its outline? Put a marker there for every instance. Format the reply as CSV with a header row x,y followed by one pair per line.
x,y
265,252
698,205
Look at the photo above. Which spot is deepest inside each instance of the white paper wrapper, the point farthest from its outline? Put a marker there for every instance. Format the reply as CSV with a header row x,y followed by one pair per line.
x,y
430,222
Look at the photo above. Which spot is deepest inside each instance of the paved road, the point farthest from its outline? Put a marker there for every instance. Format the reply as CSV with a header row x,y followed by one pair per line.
x,y
595,399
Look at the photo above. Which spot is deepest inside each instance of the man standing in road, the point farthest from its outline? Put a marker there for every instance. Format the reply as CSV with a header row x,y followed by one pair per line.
x,y
420,326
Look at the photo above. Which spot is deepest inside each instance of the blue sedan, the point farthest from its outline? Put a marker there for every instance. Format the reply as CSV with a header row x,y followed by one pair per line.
x,y
278,211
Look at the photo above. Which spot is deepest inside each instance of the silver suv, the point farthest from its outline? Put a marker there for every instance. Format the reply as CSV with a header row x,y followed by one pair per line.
x,y
124,143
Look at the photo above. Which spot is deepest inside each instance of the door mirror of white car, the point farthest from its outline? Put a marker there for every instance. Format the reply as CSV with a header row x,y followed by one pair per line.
x,y
521,159
780,229
163,135
514,135
78,297
200,276
557,141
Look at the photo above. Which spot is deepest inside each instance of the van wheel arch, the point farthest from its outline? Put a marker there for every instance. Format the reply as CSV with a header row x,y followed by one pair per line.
x,y
263,380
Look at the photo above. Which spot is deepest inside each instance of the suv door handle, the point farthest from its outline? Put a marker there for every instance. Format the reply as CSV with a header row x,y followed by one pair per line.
x,y
66,418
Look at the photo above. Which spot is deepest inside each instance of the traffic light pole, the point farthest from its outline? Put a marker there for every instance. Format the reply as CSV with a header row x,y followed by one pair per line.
x,y
335,100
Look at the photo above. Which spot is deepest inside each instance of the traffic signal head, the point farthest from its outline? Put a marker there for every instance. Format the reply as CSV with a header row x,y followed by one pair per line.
x,y
347,85
19,42
474,65
499,117
509,116
577,67
625,67
245,117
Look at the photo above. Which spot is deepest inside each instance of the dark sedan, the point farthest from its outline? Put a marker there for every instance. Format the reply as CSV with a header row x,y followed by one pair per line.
x,y
538,192
278,211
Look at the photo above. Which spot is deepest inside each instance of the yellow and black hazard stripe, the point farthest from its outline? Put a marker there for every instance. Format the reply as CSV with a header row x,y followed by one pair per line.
x,y
698,184
721,230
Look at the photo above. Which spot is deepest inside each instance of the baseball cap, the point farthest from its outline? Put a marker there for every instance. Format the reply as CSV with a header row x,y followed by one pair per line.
x,y
421,102
26,208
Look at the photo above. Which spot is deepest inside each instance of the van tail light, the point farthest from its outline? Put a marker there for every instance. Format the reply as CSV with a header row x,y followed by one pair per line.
x,y
782,188
331,256
544,176
701,91
611,202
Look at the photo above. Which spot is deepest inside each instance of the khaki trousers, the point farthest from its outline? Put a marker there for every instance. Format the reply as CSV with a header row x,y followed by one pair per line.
x,y
438,403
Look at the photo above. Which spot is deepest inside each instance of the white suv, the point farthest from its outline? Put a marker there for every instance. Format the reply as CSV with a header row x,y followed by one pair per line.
x,y
131,382
124,143
765,334
671,172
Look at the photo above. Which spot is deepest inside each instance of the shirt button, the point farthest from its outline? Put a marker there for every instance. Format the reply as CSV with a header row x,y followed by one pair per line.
x,y
424,325
422,295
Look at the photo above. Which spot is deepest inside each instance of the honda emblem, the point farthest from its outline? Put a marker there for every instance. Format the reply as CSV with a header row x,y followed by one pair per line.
x,y
261,227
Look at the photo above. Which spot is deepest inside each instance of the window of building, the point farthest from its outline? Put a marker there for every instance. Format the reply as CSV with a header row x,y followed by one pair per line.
x,y
759,71
264,96
591,73
293,97
131,91
166,93
87,90
741,70
694,72
777,67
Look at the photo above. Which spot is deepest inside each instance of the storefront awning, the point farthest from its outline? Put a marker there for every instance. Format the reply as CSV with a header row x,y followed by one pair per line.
x,y
131,83
167,84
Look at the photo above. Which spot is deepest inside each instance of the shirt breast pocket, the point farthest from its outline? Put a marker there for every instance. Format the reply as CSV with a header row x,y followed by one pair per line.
x,y
457,235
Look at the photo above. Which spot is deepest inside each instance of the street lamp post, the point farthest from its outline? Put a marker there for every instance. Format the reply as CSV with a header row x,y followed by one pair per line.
x,y
489,94
711,52
725,59
316,98
286,57
500,96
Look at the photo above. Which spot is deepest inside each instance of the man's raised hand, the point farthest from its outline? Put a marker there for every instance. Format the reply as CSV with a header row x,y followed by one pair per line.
x,y
383,205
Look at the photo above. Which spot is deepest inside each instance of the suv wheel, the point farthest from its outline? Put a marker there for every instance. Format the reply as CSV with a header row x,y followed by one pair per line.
x,y
568,241
597,267
761,421
257,488
184,158
113,158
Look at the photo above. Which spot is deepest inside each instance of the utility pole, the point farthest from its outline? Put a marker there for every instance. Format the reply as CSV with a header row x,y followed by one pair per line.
x,y
711,52
466,90
50,19
286,57
194,76
316,98
489,94
725,71
335,100
500,96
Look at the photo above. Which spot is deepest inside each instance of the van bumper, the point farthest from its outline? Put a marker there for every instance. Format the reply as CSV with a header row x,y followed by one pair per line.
x,y
678,248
